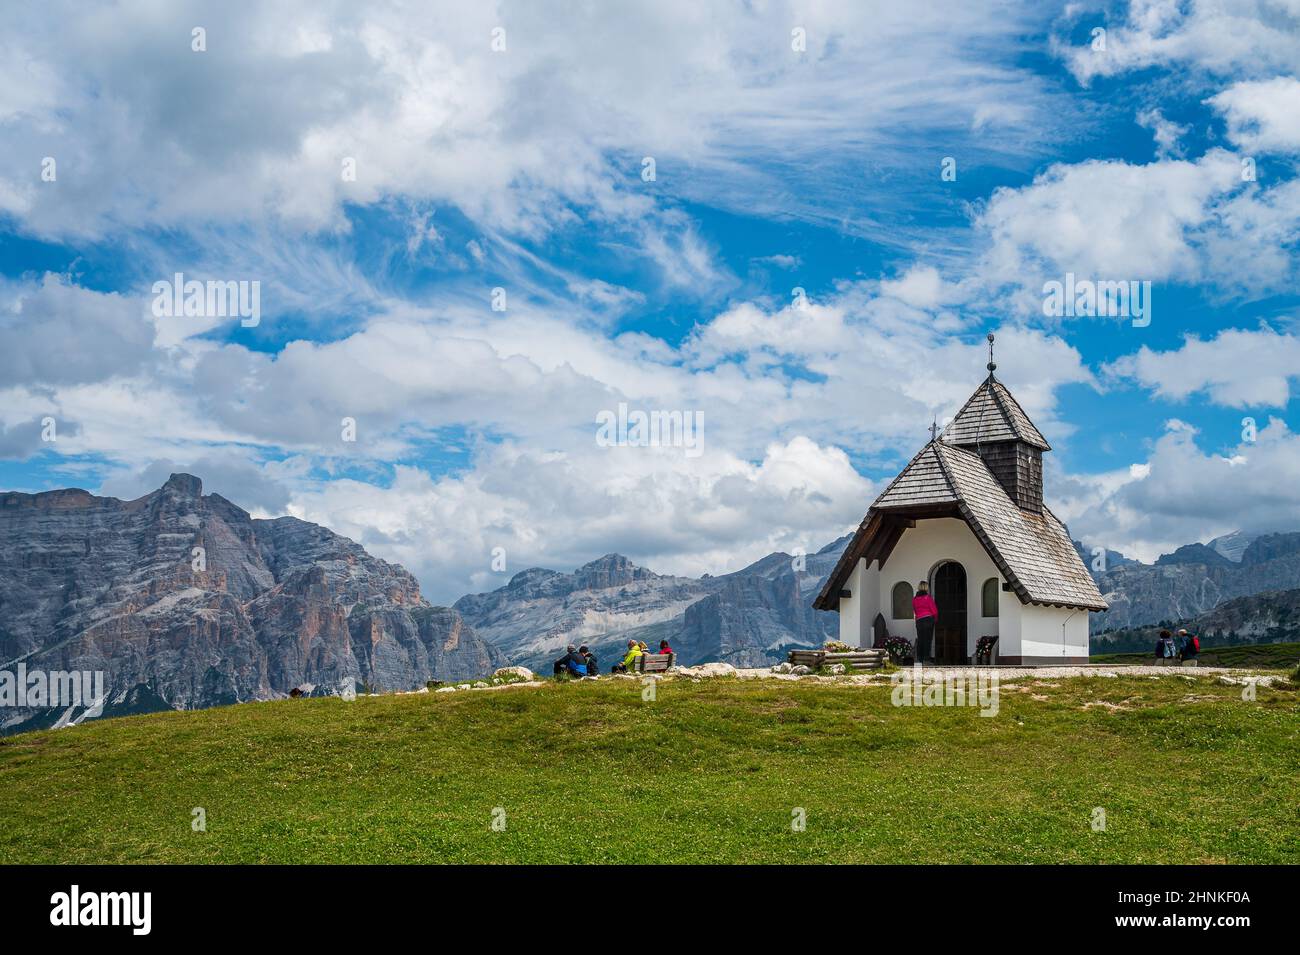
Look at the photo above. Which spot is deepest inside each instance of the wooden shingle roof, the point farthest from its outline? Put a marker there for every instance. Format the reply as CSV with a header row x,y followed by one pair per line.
x,y
993,414
922,482
1033,552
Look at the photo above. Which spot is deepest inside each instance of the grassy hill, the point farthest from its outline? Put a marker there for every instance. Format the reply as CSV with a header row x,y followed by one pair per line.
x,y
1270,656
708,772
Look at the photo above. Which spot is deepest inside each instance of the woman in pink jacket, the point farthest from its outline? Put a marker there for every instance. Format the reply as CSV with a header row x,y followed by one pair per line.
x,y
926,613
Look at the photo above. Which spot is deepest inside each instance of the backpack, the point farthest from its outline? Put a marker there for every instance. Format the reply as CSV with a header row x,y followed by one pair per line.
x,y
1196,643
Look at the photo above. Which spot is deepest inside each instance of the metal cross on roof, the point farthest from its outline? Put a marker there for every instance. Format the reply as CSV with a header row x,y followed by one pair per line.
x,y
934,429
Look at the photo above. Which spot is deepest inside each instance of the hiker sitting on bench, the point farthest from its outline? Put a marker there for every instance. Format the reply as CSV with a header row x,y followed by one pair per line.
x,y
629,661
572,662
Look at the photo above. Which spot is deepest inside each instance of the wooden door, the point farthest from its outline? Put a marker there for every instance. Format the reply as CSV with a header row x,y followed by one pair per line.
x,y
950,597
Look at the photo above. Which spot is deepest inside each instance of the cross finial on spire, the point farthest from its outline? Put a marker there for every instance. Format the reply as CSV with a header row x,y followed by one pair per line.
x,y
992,363
934,429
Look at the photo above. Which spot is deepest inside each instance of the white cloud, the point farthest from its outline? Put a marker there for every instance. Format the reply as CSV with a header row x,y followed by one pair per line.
x,y
780,261
1220,36
921,286
562,508
1106,219
540,144
149,133
787,395
1167,133
1183,494
57,333
1236,368
1184,221
1262,116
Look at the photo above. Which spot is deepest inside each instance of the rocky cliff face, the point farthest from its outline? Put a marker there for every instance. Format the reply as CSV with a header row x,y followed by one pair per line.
x,y
539,611
1233,545
759,613
1269,617
748,618
1272,616
1194,579
261,607
751,617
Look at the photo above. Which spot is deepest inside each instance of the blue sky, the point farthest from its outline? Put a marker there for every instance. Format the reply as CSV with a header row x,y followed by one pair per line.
x,y
794,146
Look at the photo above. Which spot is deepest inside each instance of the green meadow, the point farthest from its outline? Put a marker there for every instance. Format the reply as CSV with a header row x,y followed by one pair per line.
x,y
1266,656
721,770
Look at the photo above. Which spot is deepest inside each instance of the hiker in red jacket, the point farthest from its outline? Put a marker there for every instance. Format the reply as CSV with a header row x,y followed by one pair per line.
x,y
926,613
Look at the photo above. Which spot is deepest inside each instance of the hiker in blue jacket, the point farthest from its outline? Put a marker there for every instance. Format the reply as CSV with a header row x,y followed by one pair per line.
x,y
572,662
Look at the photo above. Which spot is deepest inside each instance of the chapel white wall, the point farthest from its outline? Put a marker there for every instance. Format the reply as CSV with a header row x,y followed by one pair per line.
x,y
851,608
1053,632
861,606
919,551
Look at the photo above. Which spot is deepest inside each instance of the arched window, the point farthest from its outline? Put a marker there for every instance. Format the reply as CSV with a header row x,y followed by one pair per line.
x,y
902,600
990,597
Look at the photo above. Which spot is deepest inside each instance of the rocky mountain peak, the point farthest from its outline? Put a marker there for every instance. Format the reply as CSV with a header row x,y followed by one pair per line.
x,y
530,576
1271,547
1195,578
1194,554
95,583
612,570
68,497
837,546
1233,545
186,485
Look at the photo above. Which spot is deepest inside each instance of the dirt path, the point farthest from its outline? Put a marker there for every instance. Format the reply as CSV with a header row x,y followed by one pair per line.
x,y
1041,673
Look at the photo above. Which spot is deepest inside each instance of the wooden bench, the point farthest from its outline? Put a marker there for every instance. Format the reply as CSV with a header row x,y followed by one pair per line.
x,y
812,659
655,662
855,660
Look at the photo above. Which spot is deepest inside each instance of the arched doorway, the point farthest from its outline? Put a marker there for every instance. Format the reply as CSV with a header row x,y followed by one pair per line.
x,y
950,596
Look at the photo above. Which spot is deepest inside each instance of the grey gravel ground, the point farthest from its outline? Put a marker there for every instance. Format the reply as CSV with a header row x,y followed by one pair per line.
x,y
1016,673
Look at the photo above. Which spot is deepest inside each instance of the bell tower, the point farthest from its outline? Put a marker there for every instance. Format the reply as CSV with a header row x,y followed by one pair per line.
x,y
993,425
